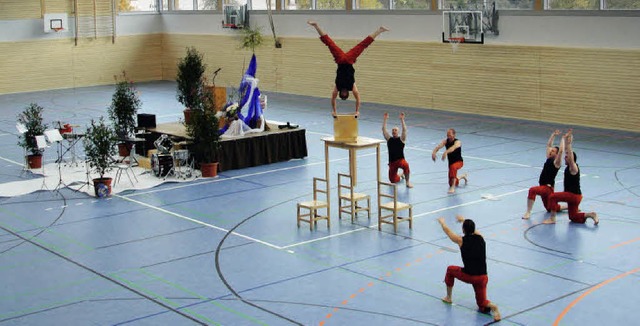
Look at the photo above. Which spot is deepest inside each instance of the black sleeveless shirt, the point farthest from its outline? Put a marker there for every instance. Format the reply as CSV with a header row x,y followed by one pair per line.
x,y
572,182
345,77
456,155
474,256
548,174
396,149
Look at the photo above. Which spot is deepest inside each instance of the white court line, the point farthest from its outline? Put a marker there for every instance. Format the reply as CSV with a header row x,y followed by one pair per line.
x,y
11,161
200,222
419,215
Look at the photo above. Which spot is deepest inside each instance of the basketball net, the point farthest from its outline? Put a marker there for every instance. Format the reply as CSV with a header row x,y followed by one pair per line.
x,y
455,42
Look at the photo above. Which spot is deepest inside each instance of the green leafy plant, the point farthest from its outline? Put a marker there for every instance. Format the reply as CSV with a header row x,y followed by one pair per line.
x,y
99,146
32,120
251,38
125,104
204,131
191,69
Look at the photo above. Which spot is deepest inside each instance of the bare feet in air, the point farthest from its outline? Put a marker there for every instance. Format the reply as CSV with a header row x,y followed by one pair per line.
x,y
551,220
312,23
526,216
383,29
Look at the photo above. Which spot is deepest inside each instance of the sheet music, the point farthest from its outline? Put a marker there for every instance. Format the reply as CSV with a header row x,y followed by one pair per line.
x,y
21,128
53,135
41,142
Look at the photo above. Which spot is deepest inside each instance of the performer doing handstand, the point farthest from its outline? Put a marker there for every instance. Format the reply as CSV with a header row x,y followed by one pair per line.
x,y
345,79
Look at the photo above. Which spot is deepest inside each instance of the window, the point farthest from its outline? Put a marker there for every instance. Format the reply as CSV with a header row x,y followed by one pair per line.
x,y
573,4
298,4
137,5
330,4
207,4
411,4
478,4
371,4
622,4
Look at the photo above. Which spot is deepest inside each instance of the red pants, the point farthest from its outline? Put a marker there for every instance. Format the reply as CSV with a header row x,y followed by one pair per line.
x,y
393,169
544,192
350,57
479,283
572,200
453,173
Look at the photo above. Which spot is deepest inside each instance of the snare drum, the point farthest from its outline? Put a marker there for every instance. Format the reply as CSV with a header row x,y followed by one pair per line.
x,y
161,164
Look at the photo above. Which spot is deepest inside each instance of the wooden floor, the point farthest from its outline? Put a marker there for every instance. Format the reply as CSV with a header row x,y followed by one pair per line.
x,y
227,251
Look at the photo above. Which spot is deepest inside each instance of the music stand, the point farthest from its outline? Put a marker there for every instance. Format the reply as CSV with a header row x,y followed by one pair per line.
x,y
42,145
54,136
23,129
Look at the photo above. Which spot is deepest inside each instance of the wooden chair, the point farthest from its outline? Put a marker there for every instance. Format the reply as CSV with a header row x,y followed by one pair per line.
x,y
348,199
308,211
388,210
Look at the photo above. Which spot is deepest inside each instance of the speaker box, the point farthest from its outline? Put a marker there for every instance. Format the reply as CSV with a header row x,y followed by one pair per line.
x,y
146,120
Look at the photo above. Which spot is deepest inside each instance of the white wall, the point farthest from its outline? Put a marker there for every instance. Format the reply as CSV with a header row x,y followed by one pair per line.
x,y
590,30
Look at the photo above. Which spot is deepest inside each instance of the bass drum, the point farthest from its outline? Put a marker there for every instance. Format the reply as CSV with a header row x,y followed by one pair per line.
x,y
161,164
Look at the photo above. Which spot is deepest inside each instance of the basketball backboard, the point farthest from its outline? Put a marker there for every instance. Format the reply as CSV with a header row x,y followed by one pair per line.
x,y
464,26
55,23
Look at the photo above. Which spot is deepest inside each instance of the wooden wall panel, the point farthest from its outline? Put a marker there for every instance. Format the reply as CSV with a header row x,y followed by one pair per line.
x,y
20,9
575,86
41,65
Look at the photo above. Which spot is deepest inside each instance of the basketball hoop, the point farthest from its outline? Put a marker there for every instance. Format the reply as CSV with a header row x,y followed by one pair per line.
x,y
57,29
455,41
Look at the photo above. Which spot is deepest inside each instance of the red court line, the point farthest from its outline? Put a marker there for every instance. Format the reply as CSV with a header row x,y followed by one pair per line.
x,y
599,285
624,243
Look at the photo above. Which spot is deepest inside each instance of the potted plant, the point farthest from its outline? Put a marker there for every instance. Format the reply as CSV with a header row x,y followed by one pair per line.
x,y
251,38
31,119
204,132
190,80
123,111
99,148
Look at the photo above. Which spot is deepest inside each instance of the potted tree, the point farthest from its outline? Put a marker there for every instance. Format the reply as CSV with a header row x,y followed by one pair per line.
x,y
99,147
191,69
204,132
31,119
123,111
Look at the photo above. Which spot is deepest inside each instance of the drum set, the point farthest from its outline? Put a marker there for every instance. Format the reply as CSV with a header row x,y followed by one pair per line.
x,y
166,162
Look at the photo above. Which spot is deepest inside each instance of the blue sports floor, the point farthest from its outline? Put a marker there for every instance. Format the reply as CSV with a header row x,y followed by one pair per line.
x,y
227,251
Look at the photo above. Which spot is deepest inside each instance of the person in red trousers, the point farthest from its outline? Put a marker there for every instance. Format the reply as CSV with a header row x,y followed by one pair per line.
x,y
547,179
345,74
395,146
453,154
474,259
572,193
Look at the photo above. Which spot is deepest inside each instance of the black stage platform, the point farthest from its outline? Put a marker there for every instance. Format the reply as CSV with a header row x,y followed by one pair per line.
x,y
275,145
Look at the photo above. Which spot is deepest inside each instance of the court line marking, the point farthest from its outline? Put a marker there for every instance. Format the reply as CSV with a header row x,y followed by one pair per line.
x,y
375,225
200,222
595,287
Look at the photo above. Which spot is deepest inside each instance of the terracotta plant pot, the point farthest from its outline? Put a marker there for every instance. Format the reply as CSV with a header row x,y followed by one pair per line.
x,y
34,161
124,149
102,187
209,170
187,116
